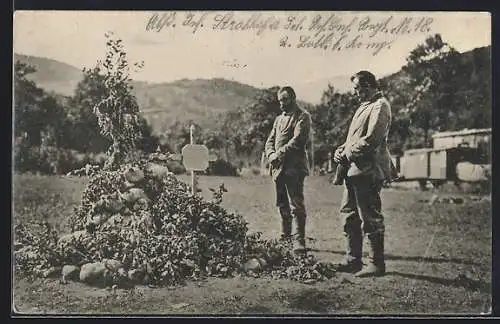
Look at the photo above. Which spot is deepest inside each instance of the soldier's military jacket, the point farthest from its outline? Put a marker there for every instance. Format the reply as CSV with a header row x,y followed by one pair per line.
x,y
288,138
366,143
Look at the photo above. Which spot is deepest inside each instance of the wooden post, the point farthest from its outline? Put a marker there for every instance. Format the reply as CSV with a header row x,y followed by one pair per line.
x,y
330,166
193,176
312,151
263,164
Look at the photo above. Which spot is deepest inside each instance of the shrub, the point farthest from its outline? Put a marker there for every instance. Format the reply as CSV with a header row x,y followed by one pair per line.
x,y
176,167
35,248
33,159
26,158
154,223
222,167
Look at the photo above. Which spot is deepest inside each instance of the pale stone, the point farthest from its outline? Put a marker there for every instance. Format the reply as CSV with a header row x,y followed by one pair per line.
x,y
134,175
93,273
70,272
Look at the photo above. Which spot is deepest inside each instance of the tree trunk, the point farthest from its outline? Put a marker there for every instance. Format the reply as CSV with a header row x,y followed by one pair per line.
x,y
427,128
115,158
226,152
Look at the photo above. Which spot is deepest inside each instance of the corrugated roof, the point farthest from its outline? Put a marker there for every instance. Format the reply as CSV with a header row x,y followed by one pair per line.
x,y
462,132
435,149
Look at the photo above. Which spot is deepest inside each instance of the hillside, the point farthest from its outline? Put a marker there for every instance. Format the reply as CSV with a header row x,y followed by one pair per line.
x,y
52,75
199,100
204,100
162,103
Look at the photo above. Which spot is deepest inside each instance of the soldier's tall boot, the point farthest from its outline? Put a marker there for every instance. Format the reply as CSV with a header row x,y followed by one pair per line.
x,y
354,250
300,236
286,224
340,174
376,263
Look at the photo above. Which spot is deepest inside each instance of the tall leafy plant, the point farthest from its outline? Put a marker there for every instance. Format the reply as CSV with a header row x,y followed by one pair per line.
x,y
118,111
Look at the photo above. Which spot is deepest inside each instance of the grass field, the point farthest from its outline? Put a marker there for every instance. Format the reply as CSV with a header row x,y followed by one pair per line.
x,y
438,258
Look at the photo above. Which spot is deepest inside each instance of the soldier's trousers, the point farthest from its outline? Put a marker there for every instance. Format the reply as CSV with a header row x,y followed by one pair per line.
x,y
361,212
290,203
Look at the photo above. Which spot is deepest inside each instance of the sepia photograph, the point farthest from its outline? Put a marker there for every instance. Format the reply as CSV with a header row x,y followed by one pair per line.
x,y
251,163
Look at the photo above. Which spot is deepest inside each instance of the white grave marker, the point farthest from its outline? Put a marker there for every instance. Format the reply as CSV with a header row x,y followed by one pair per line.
x,y
195,157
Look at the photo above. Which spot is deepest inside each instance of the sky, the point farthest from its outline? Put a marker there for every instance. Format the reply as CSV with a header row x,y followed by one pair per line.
x,y
180,50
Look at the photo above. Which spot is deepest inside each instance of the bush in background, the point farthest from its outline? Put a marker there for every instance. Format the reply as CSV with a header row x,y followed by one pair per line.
x,y
53,160
221,167
175,167
150,224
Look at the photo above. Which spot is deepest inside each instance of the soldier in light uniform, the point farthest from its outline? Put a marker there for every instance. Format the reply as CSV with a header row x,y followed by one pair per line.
x,y
285,150
366,162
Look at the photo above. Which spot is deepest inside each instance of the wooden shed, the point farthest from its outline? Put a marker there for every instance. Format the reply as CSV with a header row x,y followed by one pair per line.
x,y
474,138
465,137
435,163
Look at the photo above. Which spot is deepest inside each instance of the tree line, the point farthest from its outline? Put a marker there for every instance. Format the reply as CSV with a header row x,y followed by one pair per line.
x,y
100,121
437,89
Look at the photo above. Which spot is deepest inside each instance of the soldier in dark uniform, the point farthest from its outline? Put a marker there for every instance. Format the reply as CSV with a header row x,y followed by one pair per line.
x,y
285,150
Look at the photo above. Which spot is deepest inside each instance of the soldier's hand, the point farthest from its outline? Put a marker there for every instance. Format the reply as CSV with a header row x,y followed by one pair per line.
x,y
273,158
337,157
356,149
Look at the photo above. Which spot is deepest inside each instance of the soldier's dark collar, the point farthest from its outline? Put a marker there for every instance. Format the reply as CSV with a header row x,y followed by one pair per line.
x,y
291,112
377,95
